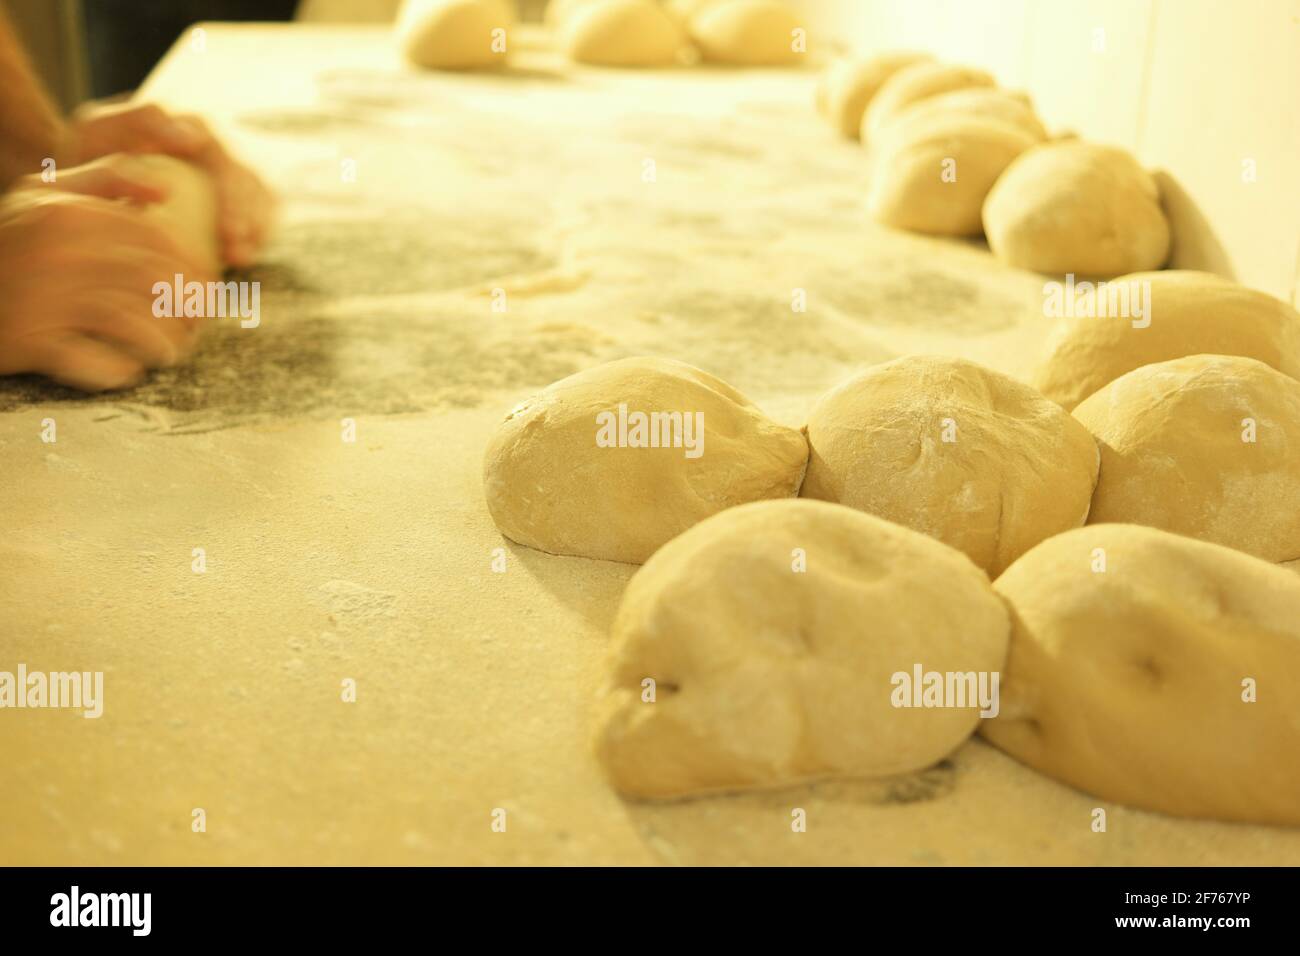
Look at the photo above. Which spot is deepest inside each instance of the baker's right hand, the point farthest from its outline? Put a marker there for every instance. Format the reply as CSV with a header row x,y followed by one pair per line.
x,y
76,287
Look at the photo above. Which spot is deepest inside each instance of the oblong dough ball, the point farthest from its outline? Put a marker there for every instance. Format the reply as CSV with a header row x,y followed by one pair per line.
x,y
1127,681
932,175
189,213
1075,207
454,34
747,32
847,86
1004,106
1175,452
570,472
954,450
622,33
1190,313
766,675
913,84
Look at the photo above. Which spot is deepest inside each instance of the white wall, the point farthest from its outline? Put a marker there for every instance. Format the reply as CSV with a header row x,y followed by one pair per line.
x,y
1196,88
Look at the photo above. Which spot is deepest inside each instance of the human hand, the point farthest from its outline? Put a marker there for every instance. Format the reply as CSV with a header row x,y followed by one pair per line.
x,y
76,286
245,207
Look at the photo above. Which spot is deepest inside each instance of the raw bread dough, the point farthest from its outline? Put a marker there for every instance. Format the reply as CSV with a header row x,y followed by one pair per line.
x,y
549,485
189,213
1075,207
930,173
622,33
454,34
765,675
747,32
847,86
1005,106
558,11
1128,683
1190,313
913,84
1173,454
1017,469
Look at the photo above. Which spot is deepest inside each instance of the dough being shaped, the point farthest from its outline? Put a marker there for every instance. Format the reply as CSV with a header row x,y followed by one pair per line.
x,y
189,213
1075,207
455,34
747,33
913,84
1130,652
570,470
931,173
847,86
765,674
622,33
1003,106
1206,446
956,451
1102,336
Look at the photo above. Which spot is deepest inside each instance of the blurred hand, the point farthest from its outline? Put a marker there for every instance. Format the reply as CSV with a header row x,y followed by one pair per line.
x,y
76,284
245,207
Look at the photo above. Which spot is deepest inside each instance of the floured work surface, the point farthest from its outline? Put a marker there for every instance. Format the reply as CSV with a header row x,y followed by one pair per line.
x,y
671,213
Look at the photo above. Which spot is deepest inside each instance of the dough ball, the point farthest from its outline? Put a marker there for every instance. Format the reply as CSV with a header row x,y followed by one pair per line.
x,y
582,468
931,175
766,675
1074,207
1004,106
954,450
189,213
847,86
747,33
914,83
1127,682
1190,313
622,33
455,34
1206,446
558,11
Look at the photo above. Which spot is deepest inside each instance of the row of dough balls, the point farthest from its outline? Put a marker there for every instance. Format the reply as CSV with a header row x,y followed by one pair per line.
x,y
470,34
954,155
762,672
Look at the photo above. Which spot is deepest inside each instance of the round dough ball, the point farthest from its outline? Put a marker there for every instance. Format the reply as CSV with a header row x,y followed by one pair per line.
x,y
913,84
455,34
1004,106
766,675
847,86
1127,682
622,33
931,174
747,33
1175,452
1189,313
1074,207
956,451
581,468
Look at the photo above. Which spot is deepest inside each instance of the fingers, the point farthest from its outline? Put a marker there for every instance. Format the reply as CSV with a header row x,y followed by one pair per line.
x,y
104,182
142,128
85,363
117,318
